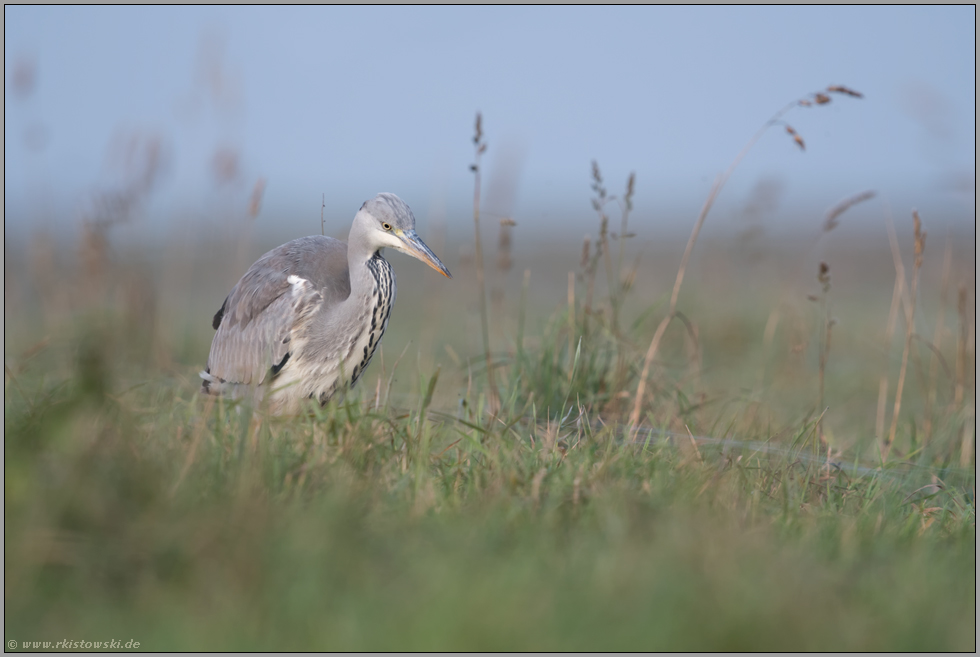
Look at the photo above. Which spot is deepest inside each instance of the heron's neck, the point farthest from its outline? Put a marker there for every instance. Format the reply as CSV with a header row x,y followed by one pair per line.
x,y
359,252
361,279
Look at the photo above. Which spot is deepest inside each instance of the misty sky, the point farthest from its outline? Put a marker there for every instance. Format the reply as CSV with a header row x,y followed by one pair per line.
x,y
350,101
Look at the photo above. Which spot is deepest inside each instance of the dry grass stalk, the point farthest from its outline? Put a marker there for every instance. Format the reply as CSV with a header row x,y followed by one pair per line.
x,y
589,265
964,341
899,298
897,260
694,444
323,205
823,276
889,333
662,327
571,317
627,207
521,314
709,201
504,242
937,338
830,220
480,147
920,245
961,344
602,246
617,285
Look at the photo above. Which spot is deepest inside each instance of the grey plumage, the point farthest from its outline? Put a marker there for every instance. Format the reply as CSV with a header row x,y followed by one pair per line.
x,y
306,318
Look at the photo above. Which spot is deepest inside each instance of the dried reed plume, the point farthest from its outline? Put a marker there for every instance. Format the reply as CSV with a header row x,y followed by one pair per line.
x,y
819,98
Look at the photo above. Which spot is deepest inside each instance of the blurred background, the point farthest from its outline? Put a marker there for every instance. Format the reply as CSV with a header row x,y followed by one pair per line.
x,y
339,103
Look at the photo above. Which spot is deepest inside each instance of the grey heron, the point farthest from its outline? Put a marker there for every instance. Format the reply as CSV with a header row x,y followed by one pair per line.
x,y
305,319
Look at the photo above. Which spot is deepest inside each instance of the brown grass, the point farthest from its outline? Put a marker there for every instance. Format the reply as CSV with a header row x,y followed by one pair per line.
x,y
920,244
937,341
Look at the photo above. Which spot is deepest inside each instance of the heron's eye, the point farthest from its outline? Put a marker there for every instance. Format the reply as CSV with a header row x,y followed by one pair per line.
x,y
386,226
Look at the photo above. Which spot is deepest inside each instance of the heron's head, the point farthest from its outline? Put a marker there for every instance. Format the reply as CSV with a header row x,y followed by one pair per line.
x,y
387,221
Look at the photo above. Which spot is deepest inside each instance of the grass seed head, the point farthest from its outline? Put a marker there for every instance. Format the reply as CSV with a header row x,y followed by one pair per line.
x,y
824,276
796,137
630,184
799,142
841,89
597,186
920,238
830,221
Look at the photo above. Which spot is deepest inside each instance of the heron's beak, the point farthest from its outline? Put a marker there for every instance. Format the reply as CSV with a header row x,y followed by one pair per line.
x,y
415,247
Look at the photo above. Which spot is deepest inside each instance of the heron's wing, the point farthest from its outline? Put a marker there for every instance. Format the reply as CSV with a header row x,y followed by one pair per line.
x,y
255,324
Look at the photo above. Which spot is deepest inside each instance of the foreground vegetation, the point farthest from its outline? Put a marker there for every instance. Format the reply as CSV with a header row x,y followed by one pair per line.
x,y
133,509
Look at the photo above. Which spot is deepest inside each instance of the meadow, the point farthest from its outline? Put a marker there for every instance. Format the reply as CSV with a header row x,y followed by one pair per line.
x,y
566,447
